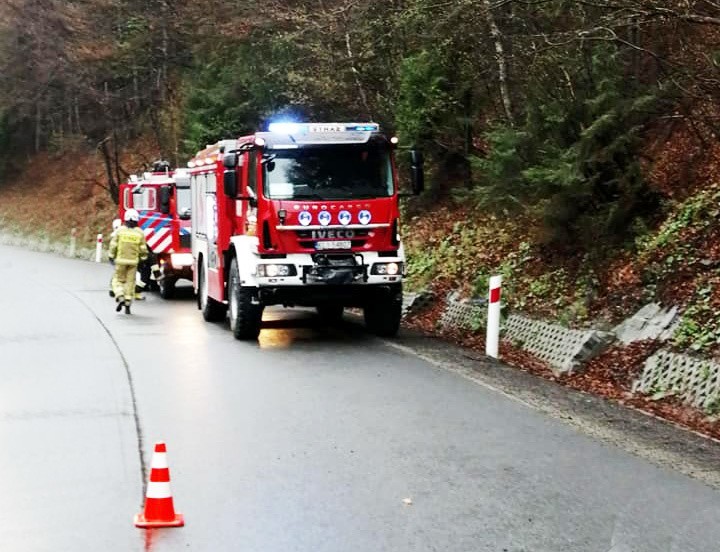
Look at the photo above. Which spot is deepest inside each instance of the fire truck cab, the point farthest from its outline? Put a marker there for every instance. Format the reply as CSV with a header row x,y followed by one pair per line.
x,y
301,215
163,201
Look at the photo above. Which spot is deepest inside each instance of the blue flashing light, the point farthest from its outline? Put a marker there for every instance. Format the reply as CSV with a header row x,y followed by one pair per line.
x,y
373,127
284,128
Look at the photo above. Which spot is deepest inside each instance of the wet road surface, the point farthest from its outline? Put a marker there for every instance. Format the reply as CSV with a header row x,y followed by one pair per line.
x,y
309,440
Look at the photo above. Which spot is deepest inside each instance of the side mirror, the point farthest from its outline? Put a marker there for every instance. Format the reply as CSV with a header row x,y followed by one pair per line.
x,y
417,171
165,193
230,161
230,183
185,214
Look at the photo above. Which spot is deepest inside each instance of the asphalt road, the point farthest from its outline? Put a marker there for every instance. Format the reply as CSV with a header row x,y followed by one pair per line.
x,y
309,440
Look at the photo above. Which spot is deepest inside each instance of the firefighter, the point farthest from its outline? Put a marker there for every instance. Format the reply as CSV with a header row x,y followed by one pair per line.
x,y
127,249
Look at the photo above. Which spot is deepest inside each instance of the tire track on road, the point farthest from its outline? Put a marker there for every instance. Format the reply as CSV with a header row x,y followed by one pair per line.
x,y
131,385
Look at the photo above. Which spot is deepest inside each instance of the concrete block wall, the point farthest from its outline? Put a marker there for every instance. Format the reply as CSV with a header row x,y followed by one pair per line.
x,y
695,381
562,348
466,314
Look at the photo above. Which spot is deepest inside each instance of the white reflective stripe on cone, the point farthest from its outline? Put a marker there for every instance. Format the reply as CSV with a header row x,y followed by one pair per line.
x,y
158,490
159,460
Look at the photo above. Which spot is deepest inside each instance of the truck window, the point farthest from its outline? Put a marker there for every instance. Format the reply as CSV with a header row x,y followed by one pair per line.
x,y
184,200
198,192
144,200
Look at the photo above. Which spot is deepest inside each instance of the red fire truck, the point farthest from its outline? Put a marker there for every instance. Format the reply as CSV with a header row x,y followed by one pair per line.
x,y
300,215
163,201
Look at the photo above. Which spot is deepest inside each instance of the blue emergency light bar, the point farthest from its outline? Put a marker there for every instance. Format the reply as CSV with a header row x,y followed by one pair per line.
x,y
309,128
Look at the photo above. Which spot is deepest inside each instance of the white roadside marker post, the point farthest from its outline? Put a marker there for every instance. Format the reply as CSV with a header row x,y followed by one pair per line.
x,y
492,341
98,249
73,242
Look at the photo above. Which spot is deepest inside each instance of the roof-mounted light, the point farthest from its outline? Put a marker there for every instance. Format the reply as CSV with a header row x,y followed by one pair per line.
x,y
363,127
191,164
260,142
284,128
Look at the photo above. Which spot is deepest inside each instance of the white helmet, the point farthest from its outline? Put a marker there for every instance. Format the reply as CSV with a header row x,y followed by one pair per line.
x,y
116,223
132,215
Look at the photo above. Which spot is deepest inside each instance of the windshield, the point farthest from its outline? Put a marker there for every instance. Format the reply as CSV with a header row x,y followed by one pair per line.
x,y
339,172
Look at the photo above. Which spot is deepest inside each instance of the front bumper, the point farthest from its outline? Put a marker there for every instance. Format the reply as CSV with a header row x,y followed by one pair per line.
x,y
352,269
318,279
345,295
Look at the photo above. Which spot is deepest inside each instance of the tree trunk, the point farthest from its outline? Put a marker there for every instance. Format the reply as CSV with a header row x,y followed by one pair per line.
x,y
356,75
164,50
107,159
77,116
38,127
501,61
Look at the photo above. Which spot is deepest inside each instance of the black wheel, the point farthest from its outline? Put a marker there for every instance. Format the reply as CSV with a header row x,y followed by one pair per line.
x,y
384,313
212,310
167,287
244,311
330,313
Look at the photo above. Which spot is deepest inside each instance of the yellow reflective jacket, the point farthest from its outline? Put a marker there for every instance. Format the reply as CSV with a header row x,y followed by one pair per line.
x,y
128,246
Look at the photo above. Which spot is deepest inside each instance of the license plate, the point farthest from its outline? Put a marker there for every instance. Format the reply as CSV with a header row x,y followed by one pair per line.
x,y
333,244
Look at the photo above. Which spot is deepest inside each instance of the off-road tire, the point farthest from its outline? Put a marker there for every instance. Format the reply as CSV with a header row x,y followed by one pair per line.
x,y
167,287
245,315
383,315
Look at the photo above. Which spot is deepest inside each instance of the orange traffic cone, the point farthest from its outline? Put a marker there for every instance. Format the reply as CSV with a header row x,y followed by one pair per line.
x,y
159,510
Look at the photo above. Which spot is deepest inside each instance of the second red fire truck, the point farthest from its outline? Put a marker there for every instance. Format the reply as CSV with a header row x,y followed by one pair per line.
x,y
300,215
163,200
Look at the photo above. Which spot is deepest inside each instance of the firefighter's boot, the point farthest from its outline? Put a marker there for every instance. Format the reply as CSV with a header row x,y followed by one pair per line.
x,y
127,307
120,300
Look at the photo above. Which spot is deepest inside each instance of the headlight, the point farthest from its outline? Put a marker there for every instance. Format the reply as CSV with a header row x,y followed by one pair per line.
x,y
180,260
275,270
387,269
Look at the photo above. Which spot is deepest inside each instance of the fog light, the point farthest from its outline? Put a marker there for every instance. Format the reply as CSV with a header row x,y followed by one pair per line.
x,y
275,270
387,269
